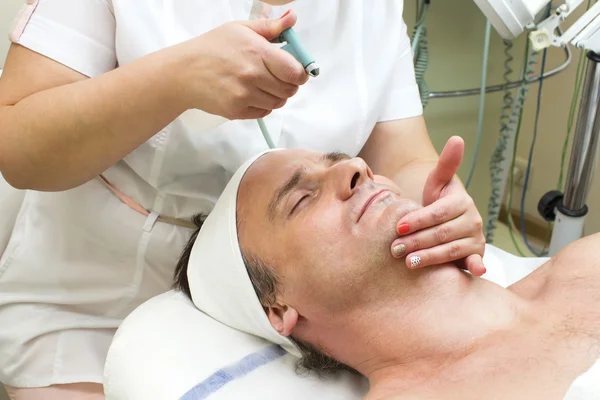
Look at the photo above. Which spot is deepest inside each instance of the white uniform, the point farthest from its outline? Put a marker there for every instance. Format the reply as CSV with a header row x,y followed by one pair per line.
x,y
80,260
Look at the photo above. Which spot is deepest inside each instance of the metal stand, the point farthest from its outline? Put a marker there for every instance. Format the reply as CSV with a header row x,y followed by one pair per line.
x,y
569,209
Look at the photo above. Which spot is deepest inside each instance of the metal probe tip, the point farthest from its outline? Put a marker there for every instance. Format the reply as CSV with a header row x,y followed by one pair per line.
x,y
312,69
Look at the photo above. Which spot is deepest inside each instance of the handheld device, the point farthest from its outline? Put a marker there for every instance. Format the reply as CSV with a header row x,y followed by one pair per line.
x,y
295,48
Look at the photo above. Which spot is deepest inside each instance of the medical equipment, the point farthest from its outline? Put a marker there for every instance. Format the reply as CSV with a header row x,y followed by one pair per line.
x,y
504,155
507,84
295,48
510,18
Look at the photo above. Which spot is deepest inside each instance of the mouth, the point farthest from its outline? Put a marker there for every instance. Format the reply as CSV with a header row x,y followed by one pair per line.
x,y
371,200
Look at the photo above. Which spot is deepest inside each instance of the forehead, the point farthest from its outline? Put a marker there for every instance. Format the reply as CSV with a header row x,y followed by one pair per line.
x,y
277,165
259,184
271,170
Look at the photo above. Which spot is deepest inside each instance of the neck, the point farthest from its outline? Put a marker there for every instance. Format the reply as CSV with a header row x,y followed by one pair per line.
x,y
443,316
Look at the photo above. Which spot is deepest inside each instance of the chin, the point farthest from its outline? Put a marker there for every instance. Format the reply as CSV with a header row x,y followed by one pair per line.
x,y
386,220
443,276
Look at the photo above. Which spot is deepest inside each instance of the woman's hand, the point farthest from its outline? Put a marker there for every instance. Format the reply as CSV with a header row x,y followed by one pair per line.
x,y
234,71
449,227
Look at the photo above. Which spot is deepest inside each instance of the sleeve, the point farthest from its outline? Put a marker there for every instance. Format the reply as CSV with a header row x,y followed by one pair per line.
x,y
79,34
403,99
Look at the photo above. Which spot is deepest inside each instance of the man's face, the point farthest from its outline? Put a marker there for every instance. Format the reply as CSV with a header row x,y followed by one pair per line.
x,y
325,223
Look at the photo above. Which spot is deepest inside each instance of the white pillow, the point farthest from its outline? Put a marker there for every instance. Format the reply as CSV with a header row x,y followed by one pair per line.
x,y
167,347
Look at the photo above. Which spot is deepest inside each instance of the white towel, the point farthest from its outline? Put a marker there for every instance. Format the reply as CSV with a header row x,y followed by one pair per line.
x,y
219,282
587,386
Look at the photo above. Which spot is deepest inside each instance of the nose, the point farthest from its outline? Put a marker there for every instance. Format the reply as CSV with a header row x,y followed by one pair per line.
x,y
348,175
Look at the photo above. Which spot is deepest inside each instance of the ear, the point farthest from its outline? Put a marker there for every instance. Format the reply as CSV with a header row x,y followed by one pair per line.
x,y
283,318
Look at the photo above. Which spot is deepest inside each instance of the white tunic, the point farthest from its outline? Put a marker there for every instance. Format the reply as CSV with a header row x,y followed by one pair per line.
x,y
79,261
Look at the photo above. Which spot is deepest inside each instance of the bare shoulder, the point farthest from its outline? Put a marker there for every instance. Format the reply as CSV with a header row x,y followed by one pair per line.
x,y
577,266
571,292
583,251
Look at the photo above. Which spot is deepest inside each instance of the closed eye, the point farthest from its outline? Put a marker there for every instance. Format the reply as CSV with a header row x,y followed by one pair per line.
x,y
299,202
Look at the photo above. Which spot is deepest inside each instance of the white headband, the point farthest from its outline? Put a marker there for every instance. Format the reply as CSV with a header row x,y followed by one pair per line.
x,y
219,283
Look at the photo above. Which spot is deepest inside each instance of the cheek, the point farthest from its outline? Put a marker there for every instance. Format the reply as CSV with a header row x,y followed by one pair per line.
x,y
384,181
327,267
327,233
317,251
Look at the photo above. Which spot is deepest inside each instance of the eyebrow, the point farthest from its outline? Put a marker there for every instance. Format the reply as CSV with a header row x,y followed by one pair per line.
x,y
335,156
296,178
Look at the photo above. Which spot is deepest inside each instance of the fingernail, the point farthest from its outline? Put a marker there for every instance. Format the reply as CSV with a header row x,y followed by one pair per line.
x,y
398,250
285,13
403,229
415,261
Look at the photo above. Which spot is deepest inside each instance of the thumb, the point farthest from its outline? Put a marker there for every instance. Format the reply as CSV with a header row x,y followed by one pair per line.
x,y
444,170
271,28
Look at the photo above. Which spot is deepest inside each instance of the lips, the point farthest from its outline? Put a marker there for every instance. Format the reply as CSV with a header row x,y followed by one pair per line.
x,y
370,201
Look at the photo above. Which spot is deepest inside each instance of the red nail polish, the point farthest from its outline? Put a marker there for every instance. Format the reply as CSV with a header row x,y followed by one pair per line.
x,y
403,229
285,13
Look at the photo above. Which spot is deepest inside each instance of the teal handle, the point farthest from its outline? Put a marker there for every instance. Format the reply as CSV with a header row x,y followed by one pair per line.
x,y
295,48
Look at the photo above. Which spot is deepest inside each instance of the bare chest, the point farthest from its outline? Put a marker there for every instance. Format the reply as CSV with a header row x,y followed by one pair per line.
x,y
541,363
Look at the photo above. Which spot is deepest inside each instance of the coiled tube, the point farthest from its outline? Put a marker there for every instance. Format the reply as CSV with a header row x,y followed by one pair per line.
x,y
502,159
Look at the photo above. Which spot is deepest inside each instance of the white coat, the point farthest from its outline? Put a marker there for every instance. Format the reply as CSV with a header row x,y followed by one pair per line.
x,y
79,261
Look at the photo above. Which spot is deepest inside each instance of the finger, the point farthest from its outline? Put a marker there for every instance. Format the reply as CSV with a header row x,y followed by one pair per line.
x,y
267,101
442,254
284,66
443,210
277,88
474,263
444,170
272,28
431,237
254,113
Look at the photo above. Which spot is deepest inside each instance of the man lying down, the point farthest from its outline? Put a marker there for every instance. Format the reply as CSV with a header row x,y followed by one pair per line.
x,y
297,251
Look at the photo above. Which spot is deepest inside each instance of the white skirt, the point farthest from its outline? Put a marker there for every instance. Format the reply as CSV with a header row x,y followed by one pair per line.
x,y
77,263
